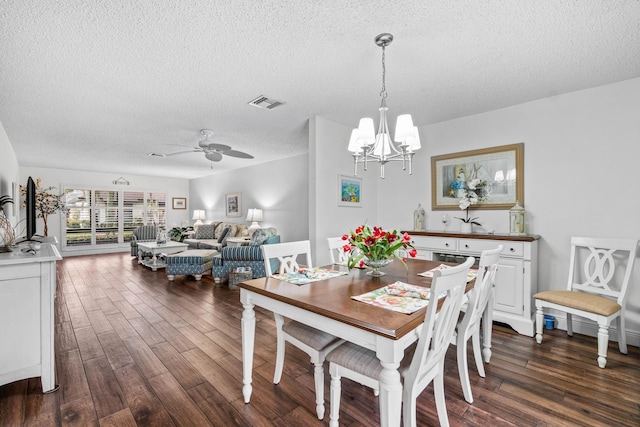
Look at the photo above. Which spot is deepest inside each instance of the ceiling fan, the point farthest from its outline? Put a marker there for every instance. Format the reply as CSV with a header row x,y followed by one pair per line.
x,y
212,151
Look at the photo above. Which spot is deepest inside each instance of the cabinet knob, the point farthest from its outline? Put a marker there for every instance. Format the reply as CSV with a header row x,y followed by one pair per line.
x,y
512,250
466,246
446,244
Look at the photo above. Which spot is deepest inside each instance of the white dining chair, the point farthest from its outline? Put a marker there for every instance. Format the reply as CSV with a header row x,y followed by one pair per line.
x,y
312,341
469,325
336,251
423,361
599,273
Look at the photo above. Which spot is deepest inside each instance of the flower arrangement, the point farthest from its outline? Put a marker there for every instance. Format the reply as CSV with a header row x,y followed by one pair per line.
x,y
474,191
46,203
375,244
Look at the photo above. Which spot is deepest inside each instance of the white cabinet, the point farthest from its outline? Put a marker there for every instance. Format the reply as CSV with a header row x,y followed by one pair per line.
x,y
27,292
516,280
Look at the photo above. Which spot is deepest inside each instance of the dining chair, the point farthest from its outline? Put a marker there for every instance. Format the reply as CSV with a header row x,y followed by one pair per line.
x,y
599,273
469,325
423,361
338,255
312,341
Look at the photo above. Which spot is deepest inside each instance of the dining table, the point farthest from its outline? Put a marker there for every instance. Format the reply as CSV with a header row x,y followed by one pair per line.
x,y
328,305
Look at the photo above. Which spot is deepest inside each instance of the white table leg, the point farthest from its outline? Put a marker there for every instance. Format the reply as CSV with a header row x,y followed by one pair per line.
x,y
390,395
154,259
248,335
487,326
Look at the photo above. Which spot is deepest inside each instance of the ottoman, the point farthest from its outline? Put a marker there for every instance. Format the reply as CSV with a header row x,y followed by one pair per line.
x,y
194,262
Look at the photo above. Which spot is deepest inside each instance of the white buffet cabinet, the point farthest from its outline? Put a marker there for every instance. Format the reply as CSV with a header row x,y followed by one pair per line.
x,y
27,292
517,278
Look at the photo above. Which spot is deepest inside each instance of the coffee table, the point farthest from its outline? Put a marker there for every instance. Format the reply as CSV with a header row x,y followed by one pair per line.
x,y
170,247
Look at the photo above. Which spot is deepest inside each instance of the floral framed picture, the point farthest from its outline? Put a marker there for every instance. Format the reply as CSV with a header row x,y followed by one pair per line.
x,y
496,173
349,191
179,202
233,204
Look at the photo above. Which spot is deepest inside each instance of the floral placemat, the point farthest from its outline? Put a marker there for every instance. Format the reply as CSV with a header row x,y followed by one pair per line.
x,y
308,275
398,296
429,273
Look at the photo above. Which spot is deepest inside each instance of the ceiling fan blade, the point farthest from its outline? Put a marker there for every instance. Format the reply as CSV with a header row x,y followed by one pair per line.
x,y
182,152
214,157
217,147
239,154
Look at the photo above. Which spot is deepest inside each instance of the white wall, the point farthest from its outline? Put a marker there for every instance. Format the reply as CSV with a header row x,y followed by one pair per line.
x,y
280,188
330,158
59,178
581,169
8,173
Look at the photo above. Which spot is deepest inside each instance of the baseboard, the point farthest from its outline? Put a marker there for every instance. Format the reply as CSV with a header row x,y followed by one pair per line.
x,y
591,329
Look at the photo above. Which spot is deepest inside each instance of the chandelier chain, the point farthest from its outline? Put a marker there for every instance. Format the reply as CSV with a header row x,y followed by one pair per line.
x,y
383,92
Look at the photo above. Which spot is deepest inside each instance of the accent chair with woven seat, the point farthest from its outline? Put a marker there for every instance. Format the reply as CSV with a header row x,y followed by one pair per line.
x,y
423,361
282,258
599,274
469,326
143,233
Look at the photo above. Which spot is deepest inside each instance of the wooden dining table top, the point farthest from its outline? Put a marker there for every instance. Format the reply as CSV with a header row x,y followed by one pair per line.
x,y
332,297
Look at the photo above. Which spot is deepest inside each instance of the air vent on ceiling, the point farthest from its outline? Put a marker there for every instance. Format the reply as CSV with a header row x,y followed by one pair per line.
x,y
264,102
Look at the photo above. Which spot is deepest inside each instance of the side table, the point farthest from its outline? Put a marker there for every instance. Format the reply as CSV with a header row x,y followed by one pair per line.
x,y
238,241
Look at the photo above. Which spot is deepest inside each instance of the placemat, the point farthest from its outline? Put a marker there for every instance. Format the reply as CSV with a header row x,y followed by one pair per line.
x,y
308,275
398,296
429,273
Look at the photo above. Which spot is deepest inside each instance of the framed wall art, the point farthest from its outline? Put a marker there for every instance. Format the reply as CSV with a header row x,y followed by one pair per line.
x,y
501,168
179,202
349,191
233,204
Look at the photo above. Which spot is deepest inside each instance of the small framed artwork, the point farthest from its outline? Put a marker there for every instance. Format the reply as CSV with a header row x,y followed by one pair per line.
x,y
233,204
179,203
349,191
500,170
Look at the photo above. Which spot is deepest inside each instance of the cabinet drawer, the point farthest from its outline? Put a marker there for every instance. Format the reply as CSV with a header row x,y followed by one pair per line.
x,y
477,246
439,243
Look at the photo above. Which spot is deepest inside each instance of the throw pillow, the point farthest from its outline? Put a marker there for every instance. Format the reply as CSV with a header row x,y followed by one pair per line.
x,y
231,232
223,235
205,231
260,236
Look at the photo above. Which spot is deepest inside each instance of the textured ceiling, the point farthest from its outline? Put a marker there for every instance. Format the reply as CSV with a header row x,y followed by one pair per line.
x,y
97,85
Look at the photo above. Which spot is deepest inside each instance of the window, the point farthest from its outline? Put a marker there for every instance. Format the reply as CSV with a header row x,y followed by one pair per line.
x,y
108,217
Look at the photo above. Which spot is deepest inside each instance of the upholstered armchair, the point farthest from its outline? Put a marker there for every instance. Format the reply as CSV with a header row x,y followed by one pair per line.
x,y
143,233
244,256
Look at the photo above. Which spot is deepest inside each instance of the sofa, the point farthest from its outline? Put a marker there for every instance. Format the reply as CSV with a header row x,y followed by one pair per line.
x,y
143,233
244,256
211,236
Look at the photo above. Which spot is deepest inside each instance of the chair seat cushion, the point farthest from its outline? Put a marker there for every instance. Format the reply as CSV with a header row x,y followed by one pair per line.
x,y
580,301
365,361
195,256
312,337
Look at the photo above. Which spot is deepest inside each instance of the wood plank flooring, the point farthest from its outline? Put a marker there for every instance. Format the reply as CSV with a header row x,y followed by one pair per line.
x,y
133,349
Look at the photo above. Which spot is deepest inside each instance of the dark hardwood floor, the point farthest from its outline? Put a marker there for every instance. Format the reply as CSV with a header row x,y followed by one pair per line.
x,y
134,349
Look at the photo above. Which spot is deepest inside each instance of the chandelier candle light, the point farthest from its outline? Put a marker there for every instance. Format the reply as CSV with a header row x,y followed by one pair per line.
x,y
367,146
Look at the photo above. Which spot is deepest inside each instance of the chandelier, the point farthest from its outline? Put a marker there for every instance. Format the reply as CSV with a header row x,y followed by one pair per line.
x,y
367,146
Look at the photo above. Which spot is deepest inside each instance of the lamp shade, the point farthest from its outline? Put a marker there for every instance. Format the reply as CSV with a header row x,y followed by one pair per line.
x,y
366,131
404,128
355,143
254,215
198,215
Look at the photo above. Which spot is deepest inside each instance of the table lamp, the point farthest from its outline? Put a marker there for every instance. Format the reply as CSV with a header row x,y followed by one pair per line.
x,y
255,216
198,217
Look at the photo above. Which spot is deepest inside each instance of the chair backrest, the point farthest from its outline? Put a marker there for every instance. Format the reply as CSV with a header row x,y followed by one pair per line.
x,y
286,254
437,331
145,232
335,250
479,295
602,266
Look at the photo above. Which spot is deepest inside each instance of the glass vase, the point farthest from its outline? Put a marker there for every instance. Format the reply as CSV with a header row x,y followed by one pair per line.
x,y
376,265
